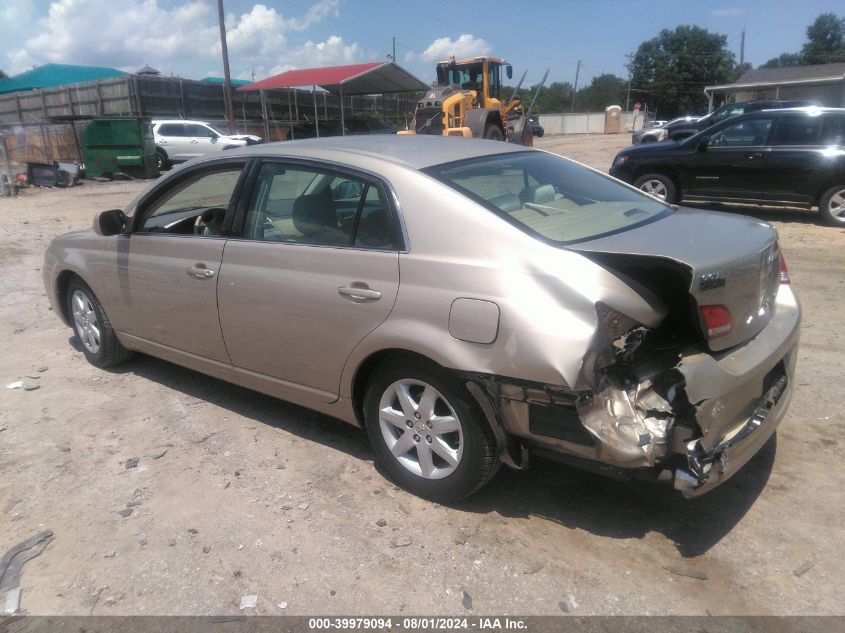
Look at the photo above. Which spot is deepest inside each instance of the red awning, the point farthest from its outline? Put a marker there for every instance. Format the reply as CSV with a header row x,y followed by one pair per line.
x,y
355,79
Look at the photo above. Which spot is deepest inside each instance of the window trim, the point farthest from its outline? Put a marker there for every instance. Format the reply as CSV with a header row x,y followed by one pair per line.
x,y
400,236
142,208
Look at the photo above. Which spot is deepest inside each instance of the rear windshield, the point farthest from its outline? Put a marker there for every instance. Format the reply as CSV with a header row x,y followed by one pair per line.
x,y
550,197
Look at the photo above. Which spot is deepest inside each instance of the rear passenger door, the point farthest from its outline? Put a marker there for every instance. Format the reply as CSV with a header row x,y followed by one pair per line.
x,y
174,141
314,269
798,164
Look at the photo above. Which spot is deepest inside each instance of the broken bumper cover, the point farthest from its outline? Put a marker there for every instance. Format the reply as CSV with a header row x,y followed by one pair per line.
x,y
709,468
742,400
695,423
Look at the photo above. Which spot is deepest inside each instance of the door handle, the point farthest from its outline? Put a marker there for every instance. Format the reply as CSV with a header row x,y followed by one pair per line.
x,y
193,140
359,293
200,271
754,155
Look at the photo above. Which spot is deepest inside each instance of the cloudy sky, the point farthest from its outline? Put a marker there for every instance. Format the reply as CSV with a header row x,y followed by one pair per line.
x,y
181,37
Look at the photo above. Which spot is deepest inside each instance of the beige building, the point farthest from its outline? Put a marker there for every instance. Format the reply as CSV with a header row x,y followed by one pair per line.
x,y
824,83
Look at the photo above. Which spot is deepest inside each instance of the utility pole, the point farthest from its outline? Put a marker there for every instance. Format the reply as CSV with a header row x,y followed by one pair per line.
x,y
393,55
629,66
227,86
742,52
575,90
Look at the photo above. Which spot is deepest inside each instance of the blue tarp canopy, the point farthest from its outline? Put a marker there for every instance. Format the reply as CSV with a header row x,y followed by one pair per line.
x,y
220,80
52,75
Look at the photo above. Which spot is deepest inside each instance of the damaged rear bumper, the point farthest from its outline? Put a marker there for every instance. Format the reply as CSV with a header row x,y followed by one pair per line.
x,y
694,421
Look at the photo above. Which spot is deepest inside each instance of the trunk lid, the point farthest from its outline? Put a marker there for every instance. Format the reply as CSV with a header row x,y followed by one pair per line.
x,y
731,261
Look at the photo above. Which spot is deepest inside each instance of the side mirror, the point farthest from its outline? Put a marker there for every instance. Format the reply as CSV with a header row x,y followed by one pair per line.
x,y
703,144
110,222
509,71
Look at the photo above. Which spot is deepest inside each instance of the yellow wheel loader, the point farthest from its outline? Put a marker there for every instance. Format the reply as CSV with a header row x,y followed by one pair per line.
x,y
466,101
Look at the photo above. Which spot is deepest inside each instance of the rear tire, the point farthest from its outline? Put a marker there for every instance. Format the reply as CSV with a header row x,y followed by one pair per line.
x,y
92,327
428,434
832,206
161,160
493,132
658,186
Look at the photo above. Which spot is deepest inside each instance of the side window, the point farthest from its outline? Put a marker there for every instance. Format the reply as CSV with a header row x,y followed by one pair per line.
x,y
302,205
833,130
797,130
197,131
170,129
747,133
194,207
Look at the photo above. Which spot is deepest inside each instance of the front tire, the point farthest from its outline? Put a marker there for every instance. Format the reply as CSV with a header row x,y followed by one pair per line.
x,y
658,186
92,327
427,433
832,206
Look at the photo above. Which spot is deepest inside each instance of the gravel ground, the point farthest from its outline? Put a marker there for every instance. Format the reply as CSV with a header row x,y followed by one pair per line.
x,y
237,494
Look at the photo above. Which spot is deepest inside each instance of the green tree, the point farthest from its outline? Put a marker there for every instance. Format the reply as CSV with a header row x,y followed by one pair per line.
x,y
554,97
783,60
605,90
670,71
3,75
825,40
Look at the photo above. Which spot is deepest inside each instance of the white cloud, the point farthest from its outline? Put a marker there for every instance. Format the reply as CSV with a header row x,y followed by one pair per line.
x,y
94,32
332,52
467,45
730,12
184,40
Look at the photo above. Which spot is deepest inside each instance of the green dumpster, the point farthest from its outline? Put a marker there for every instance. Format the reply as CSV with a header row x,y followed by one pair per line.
x,y
119,145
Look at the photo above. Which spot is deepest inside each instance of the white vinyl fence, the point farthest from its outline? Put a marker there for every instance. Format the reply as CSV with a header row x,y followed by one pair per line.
x,y
588,123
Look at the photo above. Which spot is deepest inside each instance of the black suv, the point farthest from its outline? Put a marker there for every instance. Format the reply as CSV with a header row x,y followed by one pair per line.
x,y
680,129
793,157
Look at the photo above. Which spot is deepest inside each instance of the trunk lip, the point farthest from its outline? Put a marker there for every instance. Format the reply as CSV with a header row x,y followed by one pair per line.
x,y
742,252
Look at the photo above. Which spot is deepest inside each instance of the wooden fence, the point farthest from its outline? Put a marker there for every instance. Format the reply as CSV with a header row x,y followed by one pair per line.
x,y
161,97
43,125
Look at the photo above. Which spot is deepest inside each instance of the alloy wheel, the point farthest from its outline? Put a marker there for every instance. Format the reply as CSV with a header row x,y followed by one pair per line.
x,y
836,205
421,429
85,321
654,187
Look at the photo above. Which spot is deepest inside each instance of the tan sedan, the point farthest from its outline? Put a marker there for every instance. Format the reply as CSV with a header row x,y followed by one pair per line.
x,y
468,302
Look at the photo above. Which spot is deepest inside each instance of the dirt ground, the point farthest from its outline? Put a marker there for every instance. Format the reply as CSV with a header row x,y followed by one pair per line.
x,y
235,493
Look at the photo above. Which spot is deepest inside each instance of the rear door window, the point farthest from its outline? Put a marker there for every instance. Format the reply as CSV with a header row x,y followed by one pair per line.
x,y
832,130
797,130
172,129
309,205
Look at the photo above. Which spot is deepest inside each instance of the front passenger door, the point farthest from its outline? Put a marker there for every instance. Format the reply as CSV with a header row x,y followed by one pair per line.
x,y
163,289
733,165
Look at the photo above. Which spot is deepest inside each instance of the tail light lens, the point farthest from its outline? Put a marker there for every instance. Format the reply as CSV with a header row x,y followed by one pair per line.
x,y
784,272
717,320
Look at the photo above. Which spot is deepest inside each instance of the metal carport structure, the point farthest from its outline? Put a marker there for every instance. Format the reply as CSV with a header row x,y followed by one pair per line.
x,y
353,79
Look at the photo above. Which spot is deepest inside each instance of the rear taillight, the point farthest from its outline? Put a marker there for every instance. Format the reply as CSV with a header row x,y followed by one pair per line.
x,y
717,320
784,272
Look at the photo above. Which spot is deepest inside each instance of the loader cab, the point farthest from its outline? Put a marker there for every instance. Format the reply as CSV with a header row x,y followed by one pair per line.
x,y
481,74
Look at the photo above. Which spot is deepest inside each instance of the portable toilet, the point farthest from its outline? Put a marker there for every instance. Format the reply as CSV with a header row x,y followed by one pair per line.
x,y
612,119
119,145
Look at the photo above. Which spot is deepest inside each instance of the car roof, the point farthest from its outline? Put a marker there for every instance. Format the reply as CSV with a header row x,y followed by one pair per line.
x,y
808,110
172,121
413,150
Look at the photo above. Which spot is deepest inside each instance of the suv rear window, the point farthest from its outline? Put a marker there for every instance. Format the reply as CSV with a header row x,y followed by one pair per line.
x,y
550,197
